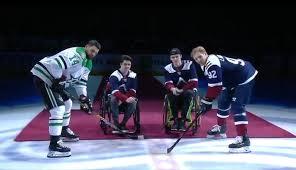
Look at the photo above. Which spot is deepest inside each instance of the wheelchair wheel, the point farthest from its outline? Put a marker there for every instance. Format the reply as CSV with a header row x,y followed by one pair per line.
x,y
165,118
136,117
103,112
196,113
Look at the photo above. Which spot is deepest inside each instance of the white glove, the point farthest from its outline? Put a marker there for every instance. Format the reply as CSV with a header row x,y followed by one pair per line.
x,y
175,91
179,91
131,100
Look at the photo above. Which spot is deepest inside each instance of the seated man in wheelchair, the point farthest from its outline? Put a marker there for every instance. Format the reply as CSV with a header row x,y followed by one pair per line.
x,y
123,84
180,80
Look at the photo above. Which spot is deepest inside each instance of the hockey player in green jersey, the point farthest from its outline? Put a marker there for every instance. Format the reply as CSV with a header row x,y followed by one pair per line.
x,y
51,75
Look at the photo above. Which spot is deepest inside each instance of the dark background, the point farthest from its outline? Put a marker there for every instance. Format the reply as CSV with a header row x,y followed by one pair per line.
x,y
264,35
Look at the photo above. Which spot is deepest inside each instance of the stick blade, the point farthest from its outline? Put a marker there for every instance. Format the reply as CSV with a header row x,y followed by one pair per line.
x,y
134,137
169,150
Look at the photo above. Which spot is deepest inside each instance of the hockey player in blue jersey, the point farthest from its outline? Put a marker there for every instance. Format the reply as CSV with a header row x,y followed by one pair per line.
x,y
123,83
180,80
231,80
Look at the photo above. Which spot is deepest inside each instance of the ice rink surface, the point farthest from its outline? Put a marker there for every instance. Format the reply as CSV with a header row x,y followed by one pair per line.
x,y
148,154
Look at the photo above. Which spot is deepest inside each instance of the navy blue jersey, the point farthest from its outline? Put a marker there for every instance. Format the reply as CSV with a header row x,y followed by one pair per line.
x,y
184,77
123,84
228,72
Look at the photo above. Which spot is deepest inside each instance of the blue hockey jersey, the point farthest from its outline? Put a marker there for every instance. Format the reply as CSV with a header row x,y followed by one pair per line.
x,y
227,72
123,86
184,77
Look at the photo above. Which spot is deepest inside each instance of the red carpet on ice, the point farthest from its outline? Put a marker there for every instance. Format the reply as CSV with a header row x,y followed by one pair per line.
x,y
151,103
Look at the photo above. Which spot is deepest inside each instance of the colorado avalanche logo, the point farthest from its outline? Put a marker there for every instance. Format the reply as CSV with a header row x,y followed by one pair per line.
x,y
122,88
181,80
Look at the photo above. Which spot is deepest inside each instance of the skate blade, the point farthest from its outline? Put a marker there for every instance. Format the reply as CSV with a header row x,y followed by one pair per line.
x,y
220,136
245,149
115,132
123,132
64,139
174,130
55,154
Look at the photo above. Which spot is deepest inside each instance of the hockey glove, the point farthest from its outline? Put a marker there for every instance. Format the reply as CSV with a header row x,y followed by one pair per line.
x,y
206,105
85,104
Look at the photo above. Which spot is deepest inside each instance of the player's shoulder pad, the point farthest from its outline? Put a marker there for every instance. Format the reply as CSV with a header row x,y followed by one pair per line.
x,y
212,60
73,48
187,64
70,50
132,74
169,68
116,74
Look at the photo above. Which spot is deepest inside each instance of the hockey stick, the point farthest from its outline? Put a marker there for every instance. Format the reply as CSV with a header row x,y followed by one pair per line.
x,y
116,128
135,137
169,150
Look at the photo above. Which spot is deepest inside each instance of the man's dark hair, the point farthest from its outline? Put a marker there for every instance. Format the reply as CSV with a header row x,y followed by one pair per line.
x,y
94,43
175,51
125,57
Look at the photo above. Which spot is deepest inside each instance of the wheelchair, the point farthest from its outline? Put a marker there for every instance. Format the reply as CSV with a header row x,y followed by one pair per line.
x,y
168,117
105,112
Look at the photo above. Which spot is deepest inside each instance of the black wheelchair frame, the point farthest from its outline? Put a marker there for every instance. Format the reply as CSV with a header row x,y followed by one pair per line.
x,y
167,122
106,113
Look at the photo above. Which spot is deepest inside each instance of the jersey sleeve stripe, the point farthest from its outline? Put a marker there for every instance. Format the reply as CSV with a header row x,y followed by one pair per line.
x,y
42,72
168,82
42,69
45,69
193,80
249,79
59,63
214,84
207,64
114,91
63,62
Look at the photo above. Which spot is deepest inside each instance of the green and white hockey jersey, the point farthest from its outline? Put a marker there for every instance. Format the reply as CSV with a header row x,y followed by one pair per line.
x,y
70,63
